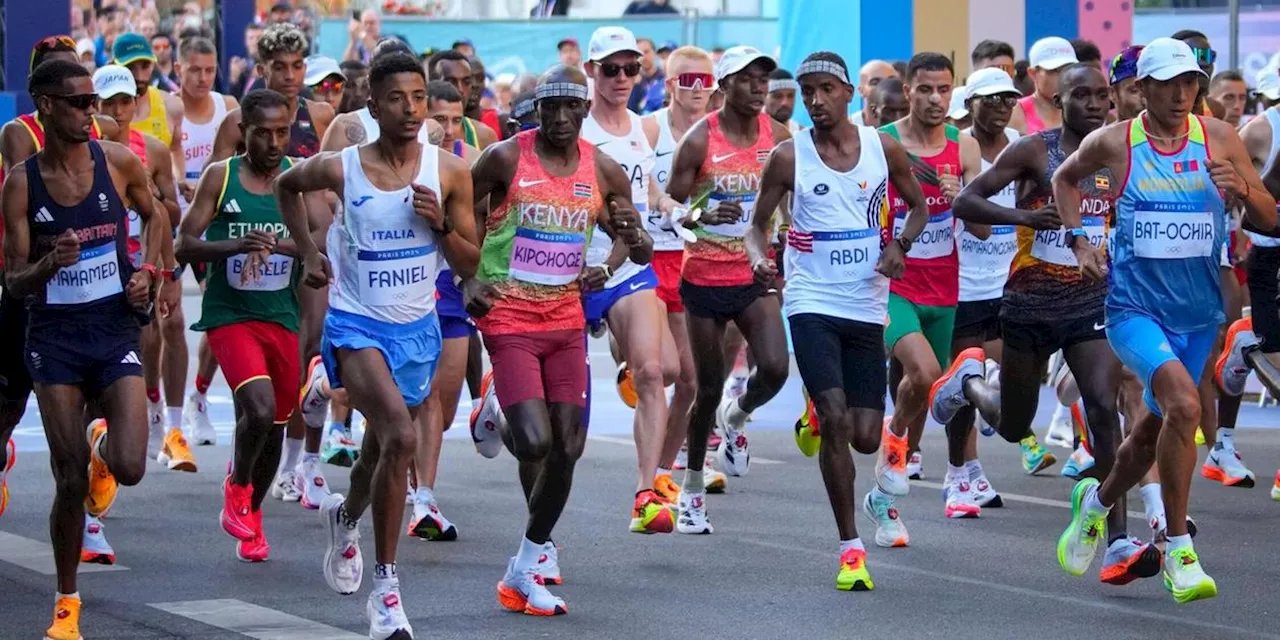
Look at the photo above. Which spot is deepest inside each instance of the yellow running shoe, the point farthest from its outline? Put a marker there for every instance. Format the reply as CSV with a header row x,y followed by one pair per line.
x,y
10,455
853,574
627,386
176,454
1199,437
667,489
66,620
808,437
650,514
102,485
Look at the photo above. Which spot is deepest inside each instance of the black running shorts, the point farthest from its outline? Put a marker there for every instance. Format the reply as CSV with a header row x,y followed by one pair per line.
x,y
836,353
15,380
1043,338
1264,263
978,319
719,303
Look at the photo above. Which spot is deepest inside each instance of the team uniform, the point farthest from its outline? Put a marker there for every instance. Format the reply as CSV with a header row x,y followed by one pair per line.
x,y
1264,263
197,142
156,124
984,267
1034,123
668,247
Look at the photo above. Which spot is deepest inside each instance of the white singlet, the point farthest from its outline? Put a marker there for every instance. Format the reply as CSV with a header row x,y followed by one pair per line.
x,y
385,257
633,152
984,264
197,142
372,131
664,238
834,243
1273,118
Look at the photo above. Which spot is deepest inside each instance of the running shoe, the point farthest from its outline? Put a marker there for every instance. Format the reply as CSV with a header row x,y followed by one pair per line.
x,y
1079,543
1080,462
431,524
96,549
343,564
1161,535
890,531
736,384
891,464
1275,488
682,459
1060,433
808,435
735,454
176,454
312,401
286,486
102,485
946,396
237,515
155,429
667,489
626,386
309,482
853,574
1231,371
713,481
1200,441
387,620
958,494
984,494
523,591
10,456
486,419
1224,465
693,514
915,466
1035,458
650,514
66,620
195,420
993,381
1128,559
1185,578
548,567
338,449
255,549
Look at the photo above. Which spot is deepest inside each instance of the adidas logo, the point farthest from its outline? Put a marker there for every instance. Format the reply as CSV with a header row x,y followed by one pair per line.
x,y
43,215
232,207
131,358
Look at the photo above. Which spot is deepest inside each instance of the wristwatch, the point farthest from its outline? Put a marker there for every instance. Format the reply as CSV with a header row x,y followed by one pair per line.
x,y
172,275
904,243
445,229
1076,233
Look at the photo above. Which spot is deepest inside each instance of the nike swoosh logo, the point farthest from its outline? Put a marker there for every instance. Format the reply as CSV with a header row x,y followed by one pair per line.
x,y
526,183
660,155
636,285
362,200
1099,327
723,158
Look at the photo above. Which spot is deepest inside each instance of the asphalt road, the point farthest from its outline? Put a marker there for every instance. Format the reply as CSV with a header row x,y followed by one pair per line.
x,y
767,572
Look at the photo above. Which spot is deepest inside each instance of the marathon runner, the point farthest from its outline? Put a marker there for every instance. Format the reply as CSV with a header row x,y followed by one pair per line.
x,y
476,112
455,68
922,303
381,335
1047,57
1229,89
717,164
781,101
550,187
999,54
1164,305
358,127
70,261
838,276
325,80
888,103
159,113
872,73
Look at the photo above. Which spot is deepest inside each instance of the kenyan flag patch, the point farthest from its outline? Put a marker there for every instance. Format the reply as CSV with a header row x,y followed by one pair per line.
x,y
583,190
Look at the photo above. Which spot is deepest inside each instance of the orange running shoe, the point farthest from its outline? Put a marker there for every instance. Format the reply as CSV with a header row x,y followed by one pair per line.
x,y
891,467
10,455
66,620
176,454
666,488
627,386
102,485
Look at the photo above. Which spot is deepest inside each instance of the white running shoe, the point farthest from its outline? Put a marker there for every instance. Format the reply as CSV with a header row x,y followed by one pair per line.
x,y
96,549
984,494
890,532
195,420
312,401
522,591
309,482
386,615
958,493
1060,433
735,456
548,567
155,428
736,384
693,514
286,486
338,450
487,420
915,466
343,564
713,481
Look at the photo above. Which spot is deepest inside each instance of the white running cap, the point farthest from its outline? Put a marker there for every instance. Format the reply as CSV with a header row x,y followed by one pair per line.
x,y
1166,59
1051,53
319,68
991,81
607,41
957,109
738,58
112,80
1268,83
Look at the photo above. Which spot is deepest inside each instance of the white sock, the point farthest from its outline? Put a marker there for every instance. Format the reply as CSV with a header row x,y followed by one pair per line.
x,y
292,451
737,417
73,596
1179,542
384,577
424,495
693,482
175,416
975,469
196,396
956,473
308,457
1092,503
1226,437
855,543
1153,503
527,556
661,471
1059,413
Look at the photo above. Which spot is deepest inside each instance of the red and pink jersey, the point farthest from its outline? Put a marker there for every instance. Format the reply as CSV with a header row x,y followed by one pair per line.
x,y
1034,123
932,275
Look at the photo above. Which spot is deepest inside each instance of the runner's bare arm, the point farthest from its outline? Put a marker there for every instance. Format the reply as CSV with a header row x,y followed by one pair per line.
x,y
192,247
776,181
491,178
970,167
227,140
1257,140
780,132
1259,205
319,172
619,217
20,276
16,144
322,115
319,217
107,126
1096,152
1021,160
904,182
174,109
651,129
344,131
460,247
690,153
485,135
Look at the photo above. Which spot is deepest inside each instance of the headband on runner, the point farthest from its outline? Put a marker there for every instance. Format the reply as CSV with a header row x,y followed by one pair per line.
x,y
783,85
560,90
522,109
824,66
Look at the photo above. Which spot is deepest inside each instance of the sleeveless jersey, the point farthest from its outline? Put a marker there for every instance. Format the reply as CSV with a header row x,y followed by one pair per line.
x,y
197,142
535,244
469,134
373,131
448,297
157,121
984,264
664,153
304,142
1045,282
632,151
1170,226
719,257
1273,118
490,117
94,286
385,257
835,238
138,145
932,274
270,298
1034,123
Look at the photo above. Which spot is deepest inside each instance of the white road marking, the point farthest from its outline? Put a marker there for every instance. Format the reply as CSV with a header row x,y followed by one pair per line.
x,y
254,621
631,443
37,556
1045,502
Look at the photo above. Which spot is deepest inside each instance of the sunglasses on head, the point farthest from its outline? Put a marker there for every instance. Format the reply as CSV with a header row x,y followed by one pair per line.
x,y
327,86
80,101
1205,56
695,81
50,44
612,69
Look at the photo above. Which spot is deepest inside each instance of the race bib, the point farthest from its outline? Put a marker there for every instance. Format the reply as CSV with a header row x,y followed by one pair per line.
x,y
938,239
275,275
993,254
660,228
546,257
94,277
1053,246
839,256
397,276
1172,231
736,229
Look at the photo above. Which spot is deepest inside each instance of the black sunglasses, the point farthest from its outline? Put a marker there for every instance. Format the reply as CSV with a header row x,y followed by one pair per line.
x,y
998,99
612,69
80,101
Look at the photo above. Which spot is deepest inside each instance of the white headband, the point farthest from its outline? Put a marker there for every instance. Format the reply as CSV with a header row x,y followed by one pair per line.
x,y
824,66
783,85
522,109
560,90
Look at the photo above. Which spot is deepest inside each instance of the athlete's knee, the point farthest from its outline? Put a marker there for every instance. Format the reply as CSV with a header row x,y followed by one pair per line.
x,y
71,478
771,373
570,450
398,437
866,441
671,373
1182,408
260,411
529,444
923,374
649,375
129,470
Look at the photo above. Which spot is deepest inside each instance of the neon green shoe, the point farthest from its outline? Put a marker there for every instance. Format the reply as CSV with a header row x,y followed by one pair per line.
x,y
853,574
808,437
1185,579
1199,437
1079,543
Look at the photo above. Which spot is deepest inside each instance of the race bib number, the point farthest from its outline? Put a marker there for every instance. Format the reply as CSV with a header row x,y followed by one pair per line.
x,y
736,229
398,276
839,256
993,254
274,275
94,277
1054,246
546,257
1172,231
938,239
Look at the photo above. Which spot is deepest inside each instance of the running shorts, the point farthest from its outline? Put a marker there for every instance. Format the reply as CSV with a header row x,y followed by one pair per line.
x,y
978,319
666,264
1043,338
454,320
935,323
92,351
837,353
15,380
1144,346
596,304
719,303
254,350
546,365
1264,286
411,350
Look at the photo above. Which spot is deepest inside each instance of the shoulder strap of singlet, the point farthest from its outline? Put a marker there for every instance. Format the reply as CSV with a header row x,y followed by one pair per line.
x,y
1196,131
31,123
138,145
1137,135
232,166
469,132
892,130
952,133
458,149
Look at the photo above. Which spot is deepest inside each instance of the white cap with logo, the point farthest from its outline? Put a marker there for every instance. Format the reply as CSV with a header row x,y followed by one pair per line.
x,y
1166,59
1268,83
738,58
1051,53
112,80
957,110
319,68
991,81
607,41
